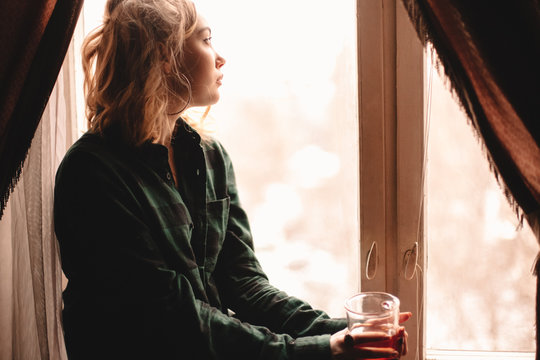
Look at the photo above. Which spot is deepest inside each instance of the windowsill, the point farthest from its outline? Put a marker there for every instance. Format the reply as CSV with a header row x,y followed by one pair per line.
x,y
477,355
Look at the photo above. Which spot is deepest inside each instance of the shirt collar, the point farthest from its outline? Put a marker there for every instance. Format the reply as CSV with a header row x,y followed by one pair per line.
x,y
184,133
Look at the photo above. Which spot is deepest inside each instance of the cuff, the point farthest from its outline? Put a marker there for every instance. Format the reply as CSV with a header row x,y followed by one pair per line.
x,y
312,348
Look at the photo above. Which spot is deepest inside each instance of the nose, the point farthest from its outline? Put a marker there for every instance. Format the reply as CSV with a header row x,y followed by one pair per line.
x,y
220,61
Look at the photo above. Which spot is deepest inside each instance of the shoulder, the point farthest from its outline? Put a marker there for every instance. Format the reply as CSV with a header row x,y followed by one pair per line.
x,y
212,144
216,153
91,158
88,148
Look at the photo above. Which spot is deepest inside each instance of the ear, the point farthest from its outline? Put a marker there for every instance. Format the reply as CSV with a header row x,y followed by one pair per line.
x,y
166,67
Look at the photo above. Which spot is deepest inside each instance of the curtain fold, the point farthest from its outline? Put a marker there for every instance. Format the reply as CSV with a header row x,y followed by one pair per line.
x,y
34,37
30,271
490,53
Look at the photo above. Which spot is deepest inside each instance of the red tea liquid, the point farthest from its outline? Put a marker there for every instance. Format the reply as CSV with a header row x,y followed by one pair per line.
x,y
395,342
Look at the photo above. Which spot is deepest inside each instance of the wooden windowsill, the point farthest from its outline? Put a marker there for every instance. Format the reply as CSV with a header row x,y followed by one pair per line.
x,y
477,355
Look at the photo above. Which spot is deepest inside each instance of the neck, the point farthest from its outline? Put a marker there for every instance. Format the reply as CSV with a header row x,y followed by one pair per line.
x,y
175,109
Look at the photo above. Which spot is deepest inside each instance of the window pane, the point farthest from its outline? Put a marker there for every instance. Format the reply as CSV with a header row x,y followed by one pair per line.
x,y
287,116
480,289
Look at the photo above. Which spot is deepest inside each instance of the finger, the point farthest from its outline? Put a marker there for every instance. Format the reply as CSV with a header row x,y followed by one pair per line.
x,y
367,337
378,322
401,345
404,316
348,340
405,343
375,353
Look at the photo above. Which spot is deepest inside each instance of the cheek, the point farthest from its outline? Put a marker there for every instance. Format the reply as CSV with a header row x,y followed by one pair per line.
x,y
197,75
203,70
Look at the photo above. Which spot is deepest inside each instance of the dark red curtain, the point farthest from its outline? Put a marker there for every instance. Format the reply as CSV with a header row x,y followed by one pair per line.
x,y
34,37
490,51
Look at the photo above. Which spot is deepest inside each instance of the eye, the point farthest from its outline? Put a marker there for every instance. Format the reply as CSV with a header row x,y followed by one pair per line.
x,y
208,40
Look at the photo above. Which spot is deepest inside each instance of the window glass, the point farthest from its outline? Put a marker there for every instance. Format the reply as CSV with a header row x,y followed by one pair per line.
x,y
480,288
288,118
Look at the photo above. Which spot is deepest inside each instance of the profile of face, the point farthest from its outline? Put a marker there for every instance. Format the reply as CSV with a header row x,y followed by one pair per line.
x,y
203,65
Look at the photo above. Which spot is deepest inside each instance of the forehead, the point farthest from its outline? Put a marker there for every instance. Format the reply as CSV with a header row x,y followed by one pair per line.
x,y
202,23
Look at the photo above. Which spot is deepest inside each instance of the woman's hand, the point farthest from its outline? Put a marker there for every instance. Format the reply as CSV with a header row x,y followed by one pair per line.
x,y
401,331
359,346
345,346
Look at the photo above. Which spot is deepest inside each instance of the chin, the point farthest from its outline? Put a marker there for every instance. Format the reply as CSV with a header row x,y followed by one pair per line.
x,y
212,101
209,100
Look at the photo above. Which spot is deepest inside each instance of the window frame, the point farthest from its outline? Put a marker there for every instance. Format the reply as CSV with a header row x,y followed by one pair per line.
x,y
391,154
392,108
478,355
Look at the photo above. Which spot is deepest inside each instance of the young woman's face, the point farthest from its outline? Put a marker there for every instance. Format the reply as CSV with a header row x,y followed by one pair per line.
x,y
203,66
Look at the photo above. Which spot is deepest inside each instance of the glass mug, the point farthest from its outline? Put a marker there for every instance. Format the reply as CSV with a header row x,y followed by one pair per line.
x,y
375,312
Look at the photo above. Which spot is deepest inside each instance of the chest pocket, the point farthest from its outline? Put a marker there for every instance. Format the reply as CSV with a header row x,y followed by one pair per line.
x,y
218,216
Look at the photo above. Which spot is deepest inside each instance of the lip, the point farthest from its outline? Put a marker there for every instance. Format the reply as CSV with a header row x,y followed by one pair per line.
x,y
219,80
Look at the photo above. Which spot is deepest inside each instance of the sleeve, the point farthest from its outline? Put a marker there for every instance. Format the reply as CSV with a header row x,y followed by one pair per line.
x,y
129,303
246,289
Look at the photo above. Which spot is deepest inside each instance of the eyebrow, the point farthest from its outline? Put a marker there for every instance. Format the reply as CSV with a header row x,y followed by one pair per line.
x,y
204,29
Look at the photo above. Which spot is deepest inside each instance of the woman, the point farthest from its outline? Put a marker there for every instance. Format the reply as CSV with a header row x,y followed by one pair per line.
x,y
153,239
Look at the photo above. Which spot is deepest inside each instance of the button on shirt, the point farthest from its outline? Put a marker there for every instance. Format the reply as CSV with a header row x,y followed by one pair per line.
x,y
154,266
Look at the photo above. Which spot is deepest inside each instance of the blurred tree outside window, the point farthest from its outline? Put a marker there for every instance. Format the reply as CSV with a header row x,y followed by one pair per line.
x,y
480,287
288,117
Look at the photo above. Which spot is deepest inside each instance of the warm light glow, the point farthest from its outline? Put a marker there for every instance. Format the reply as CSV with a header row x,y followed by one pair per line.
x,y
480,290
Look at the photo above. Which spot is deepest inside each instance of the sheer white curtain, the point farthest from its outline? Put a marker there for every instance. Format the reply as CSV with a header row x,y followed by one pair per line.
x,y
30,272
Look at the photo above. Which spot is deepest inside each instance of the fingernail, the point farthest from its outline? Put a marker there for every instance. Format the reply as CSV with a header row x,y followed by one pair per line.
x,y
349,341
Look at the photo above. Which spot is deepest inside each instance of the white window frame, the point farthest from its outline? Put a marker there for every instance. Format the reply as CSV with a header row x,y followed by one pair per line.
x,y
391,116
392,91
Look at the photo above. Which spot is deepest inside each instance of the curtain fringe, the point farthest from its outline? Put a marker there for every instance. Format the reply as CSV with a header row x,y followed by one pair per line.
x,y
421,19
11,186
38,85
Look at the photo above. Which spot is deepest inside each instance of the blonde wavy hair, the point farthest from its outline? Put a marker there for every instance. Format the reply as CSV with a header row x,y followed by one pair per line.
x,y
126,86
